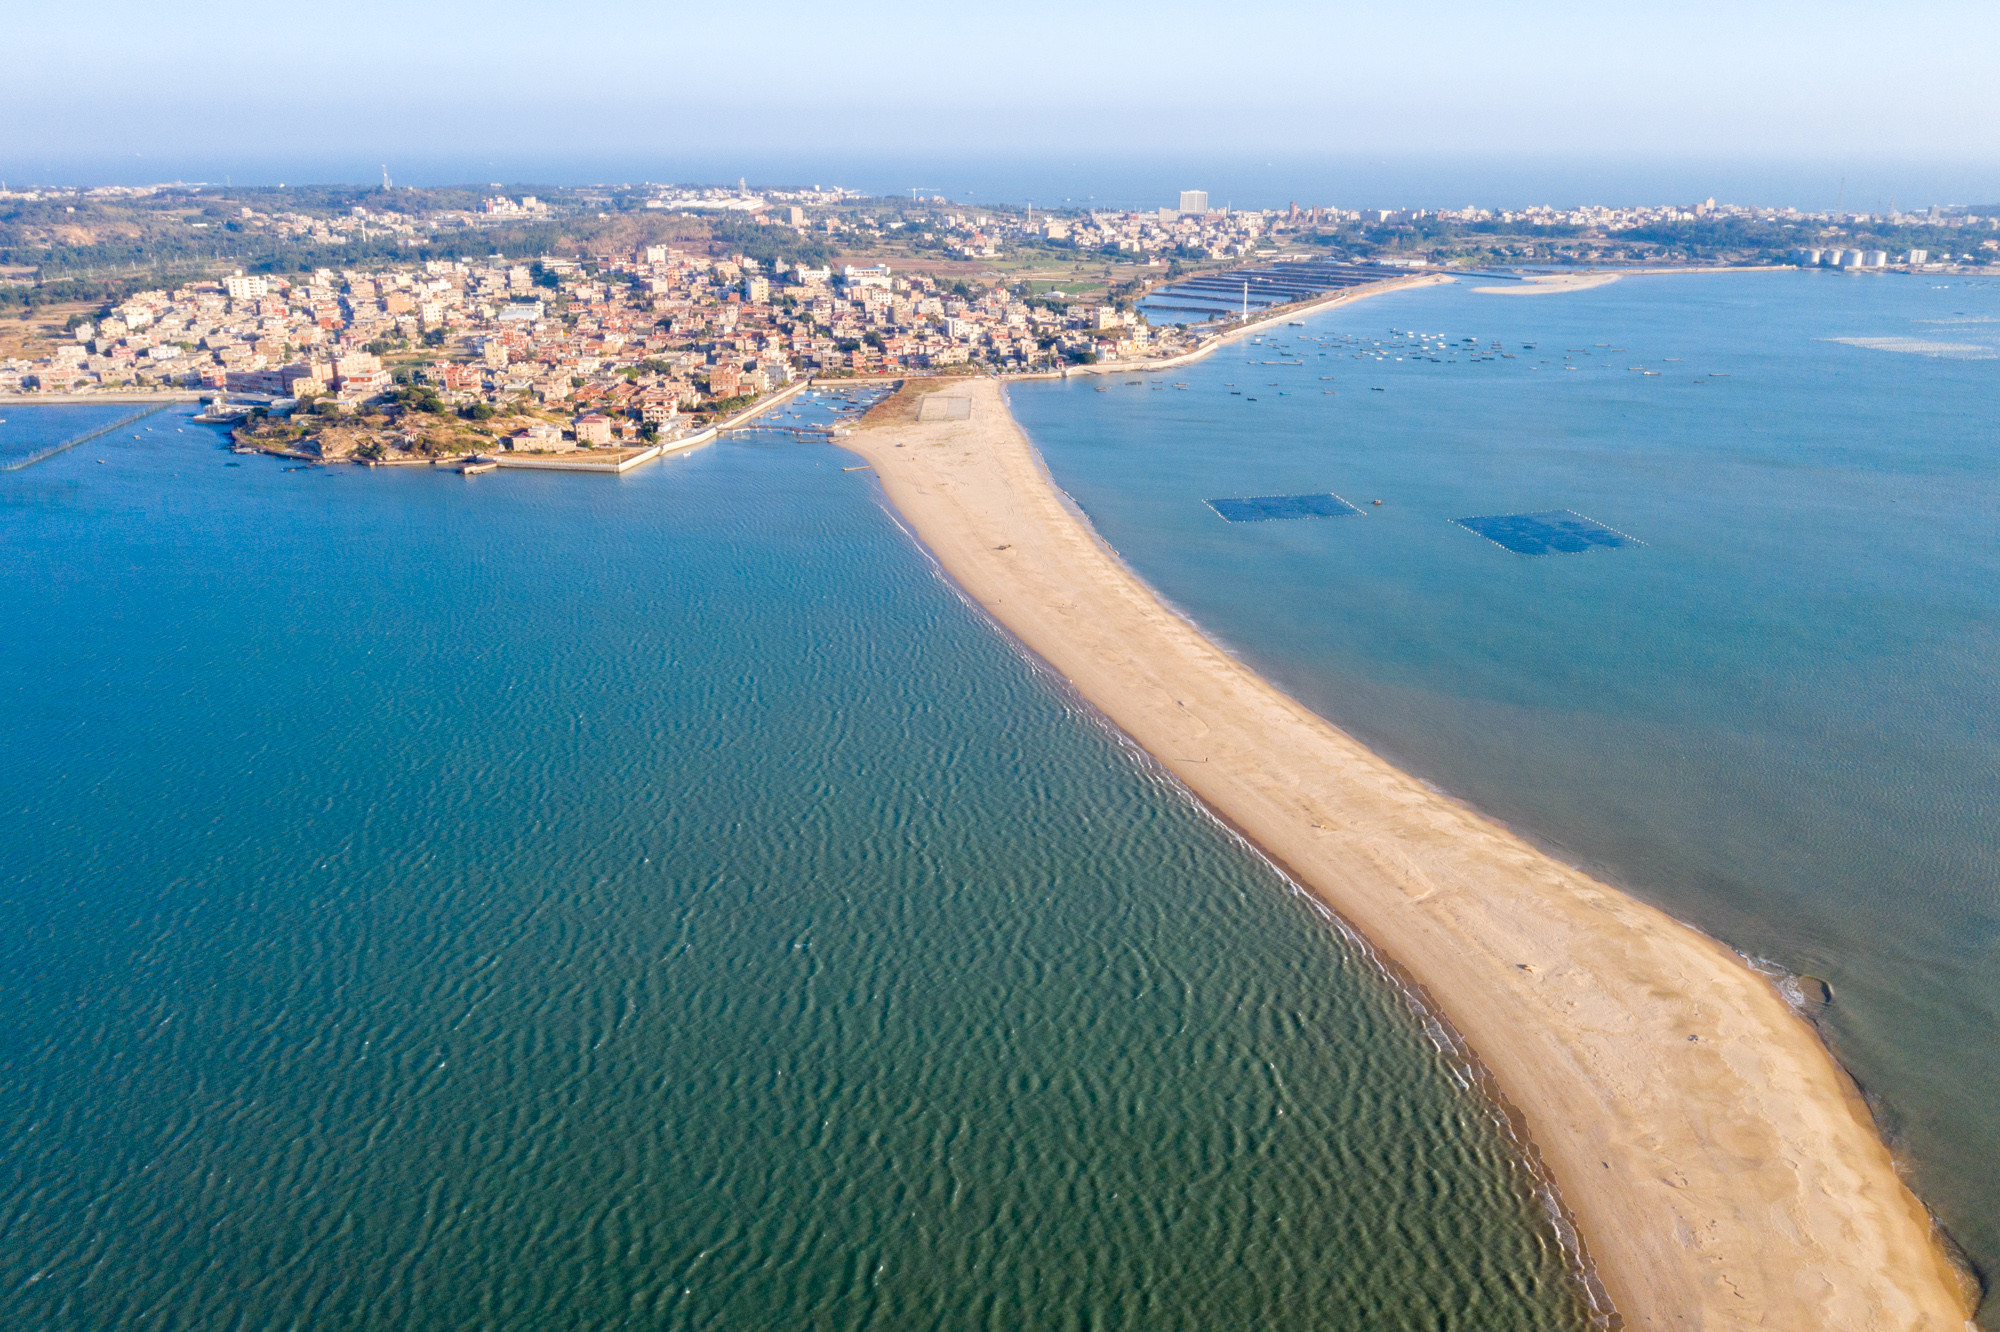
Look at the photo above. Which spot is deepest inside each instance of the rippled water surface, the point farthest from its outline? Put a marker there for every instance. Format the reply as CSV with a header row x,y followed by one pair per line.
x,y
1779,717
539,901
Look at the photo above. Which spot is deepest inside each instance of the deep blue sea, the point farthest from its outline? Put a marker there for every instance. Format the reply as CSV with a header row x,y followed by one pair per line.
x,y
659,901
1777,714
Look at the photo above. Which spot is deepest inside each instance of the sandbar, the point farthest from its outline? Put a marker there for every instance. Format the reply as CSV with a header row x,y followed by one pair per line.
x,y
1721,1168
1551,285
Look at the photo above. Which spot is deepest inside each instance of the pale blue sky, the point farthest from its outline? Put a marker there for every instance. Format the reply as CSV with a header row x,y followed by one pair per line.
x,y
253,82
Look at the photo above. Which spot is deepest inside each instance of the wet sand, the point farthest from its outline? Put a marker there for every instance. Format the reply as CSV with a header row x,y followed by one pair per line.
x,y
1721,1168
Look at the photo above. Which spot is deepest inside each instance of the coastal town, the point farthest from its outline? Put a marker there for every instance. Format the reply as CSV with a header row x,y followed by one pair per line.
x,y
640,319
808,667
446,357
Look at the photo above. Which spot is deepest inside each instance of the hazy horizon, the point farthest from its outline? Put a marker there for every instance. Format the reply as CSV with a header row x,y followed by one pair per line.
x,y
1127,181
1466,104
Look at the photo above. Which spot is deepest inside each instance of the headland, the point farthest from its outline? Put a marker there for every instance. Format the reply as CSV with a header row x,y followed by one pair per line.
x,y
1721,1168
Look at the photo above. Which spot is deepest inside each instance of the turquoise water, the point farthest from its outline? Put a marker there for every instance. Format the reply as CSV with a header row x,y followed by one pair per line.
x,y
1779,717
536,901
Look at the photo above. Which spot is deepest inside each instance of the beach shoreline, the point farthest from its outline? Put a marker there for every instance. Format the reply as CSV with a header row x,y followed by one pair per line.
x,y
1718,1165
1550,286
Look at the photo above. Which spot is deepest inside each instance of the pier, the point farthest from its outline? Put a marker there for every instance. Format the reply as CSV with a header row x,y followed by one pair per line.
x,y
593,460
85,438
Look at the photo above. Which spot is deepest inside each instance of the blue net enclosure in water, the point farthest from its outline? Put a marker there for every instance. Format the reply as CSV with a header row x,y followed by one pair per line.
x,y
1264,508
1551,532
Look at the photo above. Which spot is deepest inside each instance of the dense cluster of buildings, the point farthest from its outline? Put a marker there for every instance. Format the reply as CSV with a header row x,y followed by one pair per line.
x,y
742,199
1627,219
644,336
1156,235
640,340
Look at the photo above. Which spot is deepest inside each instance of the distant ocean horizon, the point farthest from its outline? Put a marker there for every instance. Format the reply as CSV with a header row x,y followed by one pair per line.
x,y
1140,180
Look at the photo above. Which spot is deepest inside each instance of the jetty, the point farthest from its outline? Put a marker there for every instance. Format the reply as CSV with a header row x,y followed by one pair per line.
x,y
41,454
589,460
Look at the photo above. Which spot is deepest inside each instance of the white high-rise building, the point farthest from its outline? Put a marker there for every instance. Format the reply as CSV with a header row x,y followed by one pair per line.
x,y
1194,201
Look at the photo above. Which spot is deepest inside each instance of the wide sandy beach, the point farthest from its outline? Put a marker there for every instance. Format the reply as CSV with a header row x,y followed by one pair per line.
x,y
1721,1168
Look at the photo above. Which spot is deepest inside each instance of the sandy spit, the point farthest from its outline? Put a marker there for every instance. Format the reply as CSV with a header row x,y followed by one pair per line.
x,y
1722,1169
1549,286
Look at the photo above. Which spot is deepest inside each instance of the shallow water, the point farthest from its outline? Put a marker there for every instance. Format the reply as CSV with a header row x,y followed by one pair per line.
x,y
1778,718
534,901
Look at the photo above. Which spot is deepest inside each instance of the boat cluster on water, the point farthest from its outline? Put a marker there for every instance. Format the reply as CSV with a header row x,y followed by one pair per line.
x,y
1412,346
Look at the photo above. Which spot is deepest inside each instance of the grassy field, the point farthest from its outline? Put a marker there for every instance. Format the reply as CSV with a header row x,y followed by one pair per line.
x,y
35,332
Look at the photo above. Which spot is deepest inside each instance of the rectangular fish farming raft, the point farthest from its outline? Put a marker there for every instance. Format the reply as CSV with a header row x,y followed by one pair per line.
x,y
1266,508
1550,532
